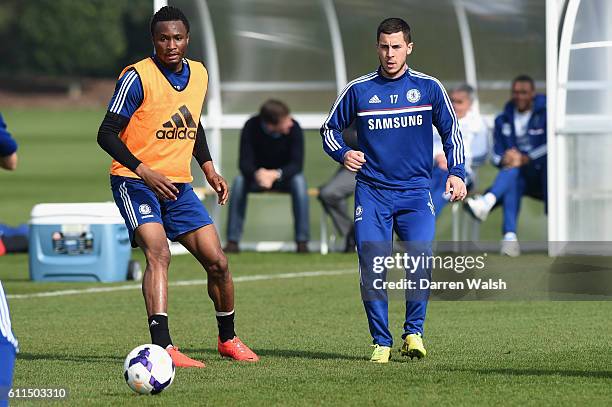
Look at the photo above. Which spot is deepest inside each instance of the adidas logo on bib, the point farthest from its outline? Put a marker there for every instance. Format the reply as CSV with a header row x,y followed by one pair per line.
x,y
374,99
177,128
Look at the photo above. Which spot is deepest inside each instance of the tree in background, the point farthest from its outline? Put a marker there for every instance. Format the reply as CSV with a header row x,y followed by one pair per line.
x,y
136,20
72,38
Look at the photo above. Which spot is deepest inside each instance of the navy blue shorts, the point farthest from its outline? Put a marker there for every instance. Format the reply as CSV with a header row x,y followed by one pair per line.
x,y
138,204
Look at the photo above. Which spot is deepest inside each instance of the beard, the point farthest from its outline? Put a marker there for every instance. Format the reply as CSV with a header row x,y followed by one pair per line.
x,y
398,67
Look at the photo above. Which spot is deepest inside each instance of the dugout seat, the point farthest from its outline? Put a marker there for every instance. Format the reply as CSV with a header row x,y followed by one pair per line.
x,y
325,238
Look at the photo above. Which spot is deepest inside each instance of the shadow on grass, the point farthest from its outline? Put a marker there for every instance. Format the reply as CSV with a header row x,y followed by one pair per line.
x,y
69,358
288,354
205,352
536,372
16,279
317,355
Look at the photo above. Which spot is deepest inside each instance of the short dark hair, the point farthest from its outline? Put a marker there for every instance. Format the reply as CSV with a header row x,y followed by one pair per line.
x,y
168,13
524,78
272,111
394,25
464,87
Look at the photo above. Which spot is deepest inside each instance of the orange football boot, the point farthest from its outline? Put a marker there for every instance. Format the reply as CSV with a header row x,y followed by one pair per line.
x,y
235,349
181,360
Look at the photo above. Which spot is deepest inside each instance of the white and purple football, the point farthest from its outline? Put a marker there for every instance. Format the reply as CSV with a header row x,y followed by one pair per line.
x,y
148,369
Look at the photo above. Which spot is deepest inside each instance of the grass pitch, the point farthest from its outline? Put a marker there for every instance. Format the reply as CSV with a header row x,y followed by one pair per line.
x,y
312,336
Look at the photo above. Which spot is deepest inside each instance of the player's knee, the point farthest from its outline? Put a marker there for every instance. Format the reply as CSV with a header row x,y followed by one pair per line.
x,y
158,257
218,268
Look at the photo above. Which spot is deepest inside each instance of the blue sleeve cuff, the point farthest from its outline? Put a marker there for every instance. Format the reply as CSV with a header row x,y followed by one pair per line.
x,y
7,145
338,155
457,171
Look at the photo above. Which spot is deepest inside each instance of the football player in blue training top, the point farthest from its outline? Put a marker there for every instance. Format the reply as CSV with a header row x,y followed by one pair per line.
x,y
394,109
8,342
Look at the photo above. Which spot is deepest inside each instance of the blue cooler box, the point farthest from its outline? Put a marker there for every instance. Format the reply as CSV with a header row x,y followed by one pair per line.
x,y
78,242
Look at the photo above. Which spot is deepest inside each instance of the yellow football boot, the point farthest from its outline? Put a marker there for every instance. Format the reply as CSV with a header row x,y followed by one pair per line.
x,y
413,347
381,354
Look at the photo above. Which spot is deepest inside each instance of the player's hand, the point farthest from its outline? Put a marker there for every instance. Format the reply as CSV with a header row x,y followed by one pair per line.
x,y
159,184
354,160
216,181
456,187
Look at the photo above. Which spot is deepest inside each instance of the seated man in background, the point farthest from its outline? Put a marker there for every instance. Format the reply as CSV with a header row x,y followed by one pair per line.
x,y
271,159
520,152
475,141
334,193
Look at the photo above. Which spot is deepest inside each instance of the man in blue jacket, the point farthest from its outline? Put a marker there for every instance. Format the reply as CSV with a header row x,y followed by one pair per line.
x,y
520,153
394,109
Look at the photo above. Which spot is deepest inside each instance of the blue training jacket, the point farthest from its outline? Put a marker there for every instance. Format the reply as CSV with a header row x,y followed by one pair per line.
x,y
394,119
504,135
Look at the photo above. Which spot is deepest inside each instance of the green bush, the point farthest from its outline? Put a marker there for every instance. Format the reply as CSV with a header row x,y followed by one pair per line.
x,y
72,38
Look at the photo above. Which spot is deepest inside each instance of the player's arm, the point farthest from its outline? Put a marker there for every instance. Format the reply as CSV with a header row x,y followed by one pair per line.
x,y
341,115
8,152
201,153
445,121
126,99
9,162
108,138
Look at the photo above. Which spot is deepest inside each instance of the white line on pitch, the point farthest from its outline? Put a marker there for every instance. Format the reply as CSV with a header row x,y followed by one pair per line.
x,y
181,283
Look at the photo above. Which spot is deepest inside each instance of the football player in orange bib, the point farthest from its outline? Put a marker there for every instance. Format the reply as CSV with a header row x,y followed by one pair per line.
x,y
151,130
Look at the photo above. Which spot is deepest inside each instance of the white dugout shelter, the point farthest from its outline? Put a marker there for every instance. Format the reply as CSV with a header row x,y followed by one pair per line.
x,y
305,51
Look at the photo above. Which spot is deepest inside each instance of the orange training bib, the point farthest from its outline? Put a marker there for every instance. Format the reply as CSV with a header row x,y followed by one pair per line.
x,y
162,131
